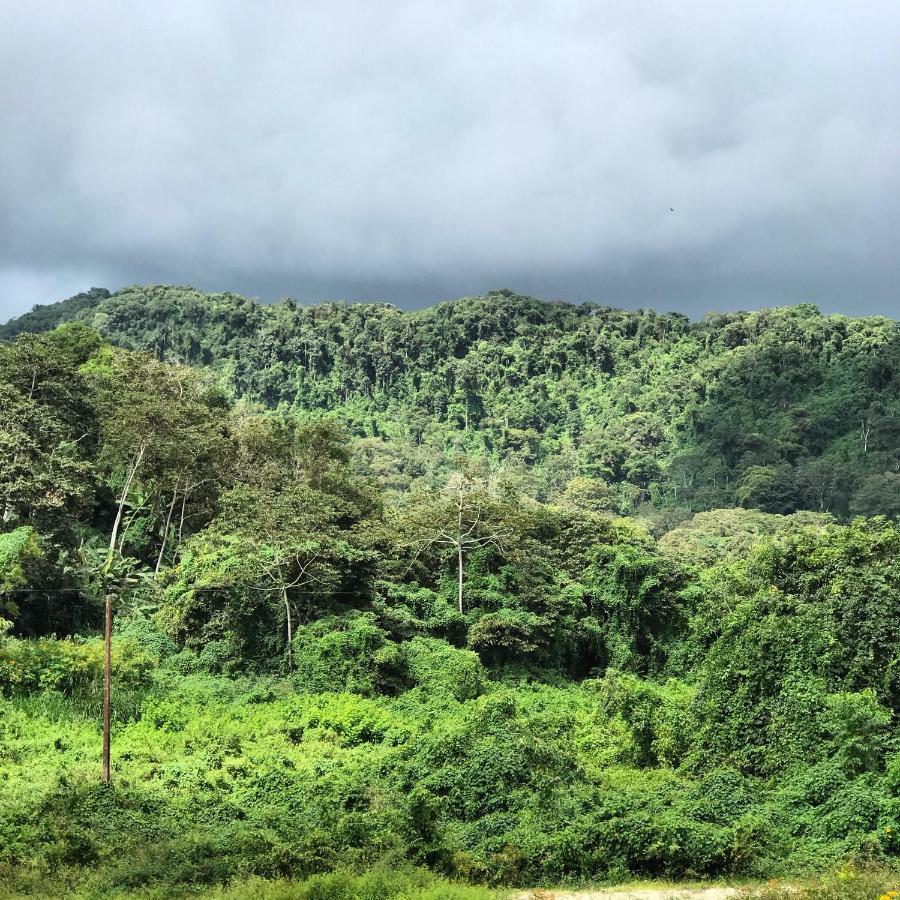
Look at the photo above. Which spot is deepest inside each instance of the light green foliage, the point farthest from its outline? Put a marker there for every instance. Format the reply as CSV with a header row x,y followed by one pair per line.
x,y
730,534
381,884
353,653
68,665
20,550
657,717
17,548
439,668
384,882
219,778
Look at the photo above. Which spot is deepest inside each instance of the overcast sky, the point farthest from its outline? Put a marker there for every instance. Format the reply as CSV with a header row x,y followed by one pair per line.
x,y
415,151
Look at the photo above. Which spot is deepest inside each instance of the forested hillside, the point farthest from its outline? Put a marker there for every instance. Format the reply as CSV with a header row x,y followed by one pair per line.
x,y
376,604
632,412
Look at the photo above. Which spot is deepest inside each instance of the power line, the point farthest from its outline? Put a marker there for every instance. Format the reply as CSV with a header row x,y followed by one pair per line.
x,y
195,590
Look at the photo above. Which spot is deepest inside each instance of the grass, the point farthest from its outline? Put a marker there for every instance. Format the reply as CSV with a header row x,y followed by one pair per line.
x,y
379,884
846,883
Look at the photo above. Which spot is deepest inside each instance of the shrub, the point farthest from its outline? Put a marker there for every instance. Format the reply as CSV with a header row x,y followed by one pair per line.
x,y
659,716
439,667
67,665
348,653
147,636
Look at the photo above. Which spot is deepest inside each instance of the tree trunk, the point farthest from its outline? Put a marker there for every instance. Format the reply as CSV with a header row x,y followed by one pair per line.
x,y
290,630
106,688
459,553
127,522
122,498
8,509
459,544
165,539
181,520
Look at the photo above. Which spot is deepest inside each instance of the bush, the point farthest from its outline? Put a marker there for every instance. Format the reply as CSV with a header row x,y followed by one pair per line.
x,y
439,667
147,636
660,717
507,634
20,550
67,665
349,653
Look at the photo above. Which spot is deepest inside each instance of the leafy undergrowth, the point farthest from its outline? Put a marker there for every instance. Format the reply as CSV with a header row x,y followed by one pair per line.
x,y
218,779
382,883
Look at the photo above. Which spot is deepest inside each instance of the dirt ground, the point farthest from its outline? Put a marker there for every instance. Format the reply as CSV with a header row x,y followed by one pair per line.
x,y
672,893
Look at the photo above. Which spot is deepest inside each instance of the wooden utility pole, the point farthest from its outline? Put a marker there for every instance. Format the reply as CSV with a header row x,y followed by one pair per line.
x,y
106,688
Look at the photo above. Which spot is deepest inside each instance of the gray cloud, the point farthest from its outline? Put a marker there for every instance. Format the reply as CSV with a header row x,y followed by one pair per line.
x,y
412,151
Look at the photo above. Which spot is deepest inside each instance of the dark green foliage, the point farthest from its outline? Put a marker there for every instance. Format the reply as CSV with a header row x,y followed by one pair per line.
x,y
439,668
348,654
47,317
47,431
790,632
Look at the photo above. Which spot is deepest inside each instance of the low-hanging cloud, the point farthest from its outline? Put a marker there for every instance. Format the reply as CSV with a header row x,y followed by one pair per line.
x,y
410,151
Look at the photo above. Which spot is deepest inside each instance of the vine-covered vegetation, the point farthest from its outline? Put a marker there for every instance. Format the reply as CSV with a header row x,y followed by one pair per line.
x,y
378,606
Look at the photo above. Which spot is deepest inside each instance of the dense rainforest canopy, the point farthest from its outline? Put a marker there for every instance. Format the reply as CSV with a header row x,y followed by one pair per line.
x,y
780,410
517,592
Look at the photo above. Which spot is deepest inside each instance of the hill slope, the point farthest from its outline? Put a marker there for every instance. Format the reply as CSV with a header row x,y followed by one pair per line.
x,y
780,409
45,317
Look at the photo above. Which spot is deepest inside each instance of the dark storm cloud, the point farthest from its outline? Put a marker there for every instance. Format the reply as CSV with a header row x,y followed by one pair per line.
x,y
414,151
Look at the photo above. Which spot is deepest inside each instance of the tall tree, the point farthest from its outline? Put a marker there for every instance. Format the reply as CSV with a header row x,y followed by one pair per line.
x,y
46,430
466,516
155,421
296,526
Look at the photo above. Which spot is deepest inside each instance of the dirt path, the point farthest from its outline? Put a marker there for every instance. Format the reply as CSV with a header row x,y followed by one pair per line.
x,y
672,893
